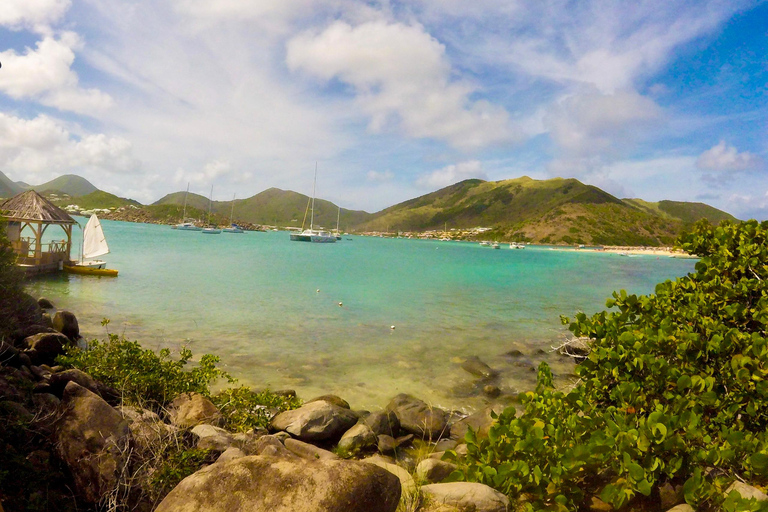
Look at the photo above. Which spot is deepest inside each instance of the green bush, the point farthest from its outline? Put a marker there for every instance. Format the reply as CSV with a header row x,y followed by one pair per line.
x,y
143,377
674,390
11,303
244,409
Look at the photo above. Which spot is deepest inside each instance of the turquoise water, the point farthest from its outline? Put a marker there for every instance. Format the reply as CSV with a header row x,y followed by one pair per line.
x,y
270,307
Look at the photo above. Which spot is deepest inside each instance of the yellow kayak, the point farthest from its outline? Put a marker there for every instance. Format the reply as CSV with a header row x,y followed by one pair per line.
x,y
90,271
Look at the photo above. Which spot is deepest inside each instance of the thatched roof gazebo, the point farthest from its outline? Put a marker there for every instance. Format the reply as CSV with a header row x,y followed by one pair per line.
x,y
32,212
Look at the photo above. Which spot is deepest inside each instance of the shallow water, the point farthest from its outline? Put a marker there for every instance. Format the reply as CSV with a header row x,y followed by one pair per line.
x,y
270,307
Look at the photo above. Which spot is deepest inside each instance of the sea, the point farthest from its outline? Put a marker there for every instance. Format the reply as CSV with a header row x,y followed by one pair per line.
x,y
365,318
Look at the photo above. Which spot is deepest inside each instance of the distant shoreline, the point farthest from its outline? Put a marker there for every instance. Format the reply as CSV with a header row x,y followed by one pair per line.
x,y
668,252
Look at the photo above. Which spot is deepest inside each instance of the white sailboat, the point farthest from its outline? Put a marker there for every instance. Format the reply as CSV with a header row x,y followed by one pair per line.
x,y
312,234
94,245
186,225
233,228
208,229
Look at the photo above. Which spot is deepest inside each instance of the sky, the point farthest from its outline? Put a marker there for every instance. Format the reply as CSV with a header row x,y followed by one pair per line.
x,y
656,99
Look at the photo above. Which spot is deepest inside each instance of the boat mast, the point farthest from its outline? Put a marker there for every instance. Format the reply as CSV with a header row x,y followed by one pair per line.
x,y
210,200
184,215
312,217
232,213
338,216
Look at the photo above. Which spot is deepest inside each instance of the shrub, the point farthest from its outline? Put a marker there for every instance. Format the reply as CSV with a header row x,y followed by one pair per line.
x,y
244,409
674,390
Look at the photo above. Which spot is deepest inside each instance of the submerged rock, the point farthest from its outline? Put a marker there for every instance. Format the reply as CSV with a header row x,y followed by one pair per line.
x,y
478,368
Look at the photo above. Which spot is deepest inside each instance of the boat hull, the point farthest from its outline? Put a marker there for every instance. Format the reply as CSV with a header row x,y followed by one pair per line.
x,y
90,270
313,237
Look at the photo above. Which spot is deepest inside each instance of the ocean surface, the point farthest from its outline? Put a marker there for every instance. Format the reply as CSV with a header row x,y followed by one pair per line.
x,y
365,318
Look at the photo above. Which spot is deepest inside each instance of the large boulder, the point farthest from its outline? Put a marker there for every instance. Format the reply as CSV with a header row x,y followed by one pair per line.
x,y
419,418
93,440
43,348
66,323
479,421
190,409
315,421
149,431
467,496
384,423
269,484
434,470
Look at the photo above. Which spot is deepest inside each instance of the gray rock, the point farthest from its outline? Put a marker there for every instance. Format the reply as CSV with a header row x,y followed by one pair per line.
x,y
217,443
386,444
149,431
205,430
92,439
478,368
45,303
385,422
308,451
466,495
434,470
746,491
191,409
331,399
418,418
45,346
66,323
272,446
315,421
231,454
445,444
407,483
479,421
260,484
358,438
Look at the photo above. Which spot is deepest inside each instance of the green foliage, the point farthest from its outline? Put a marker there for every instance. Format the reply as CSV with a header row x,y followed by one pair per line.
x,y
674,390
142,376
11,303
244,409
177,465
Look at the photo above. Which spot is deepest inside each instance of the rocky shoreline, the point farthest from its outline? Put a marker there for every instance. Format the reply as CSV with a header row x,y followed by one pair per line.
x,y
322,456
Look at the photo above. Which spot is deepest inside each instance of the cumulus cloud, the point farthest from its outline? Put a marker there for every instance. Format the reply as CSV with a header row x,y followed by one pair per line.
x,y
34,14
452,174
725,158
401,77
45,74
42,148
380,177
212,170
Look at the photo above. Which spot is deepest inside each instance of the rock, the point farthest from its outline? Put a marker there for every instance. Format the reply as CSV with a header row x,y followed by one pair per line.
x,y
479,421
478,368
45,303
433,470
30,330
8,391
66,323
308,451
260,484
271,445
9,355
746,491
14,412
418,418
148,430
331,399
461,450
59,381
491,391
218,443
231,454
92,439
383,423
670,495
191,409
514,353
445,444
315,421
407,483
358,438
467,496
386,444
47,321
44,347
205,430
246,441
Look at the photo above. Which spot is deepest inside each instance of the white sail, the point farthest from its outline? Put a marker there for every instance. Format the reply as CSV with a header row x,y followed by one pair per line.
x,y
94,243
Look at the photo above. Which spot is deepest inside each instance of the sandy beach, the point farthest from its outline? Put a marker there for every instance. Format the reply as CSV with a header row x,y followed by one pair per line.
x,y
668,252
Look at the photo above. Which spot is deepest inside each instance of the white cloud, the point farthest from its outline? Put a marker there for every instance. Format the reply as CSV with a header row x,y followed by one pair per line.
x,y
36,14
380,177
452,174
401,77
725,158
39,149
45,74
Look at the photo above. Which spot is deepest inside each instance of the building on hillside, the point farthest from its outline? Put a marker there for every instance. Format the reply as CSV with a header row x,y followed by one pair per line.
x,y
28,217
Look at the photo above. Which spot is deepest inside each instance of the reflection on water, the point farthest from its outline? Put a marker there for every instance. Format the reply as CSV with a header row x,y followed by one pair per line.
x,y
270,308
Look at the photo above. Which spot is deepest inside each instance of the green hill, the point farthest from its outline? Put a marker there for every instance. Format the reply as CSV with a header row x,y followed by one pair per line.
x,y
272,207
70,184
97,199
8,188
546,211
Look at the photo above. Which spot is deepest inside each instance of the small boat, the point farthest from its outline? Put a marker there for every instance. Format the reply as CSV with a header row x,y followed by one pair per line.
x,y
233,228
208,229
516,245
495,245
312,234
94,244
485,243
186,225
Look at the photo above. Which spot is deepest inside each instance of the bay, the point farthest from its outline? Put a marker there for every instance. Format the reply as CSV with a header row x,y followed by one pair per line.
x,y
319,318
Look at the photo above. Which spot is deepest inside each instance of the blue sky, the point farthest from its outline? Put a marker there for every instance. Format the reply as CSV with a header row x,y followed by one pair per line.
x,y
649,99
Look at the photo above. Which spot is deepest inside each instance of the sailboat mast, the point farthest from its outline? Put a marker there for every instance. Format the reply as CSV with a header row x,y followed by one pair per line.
x,y
338,216
210,200
232,212
314,187
184,215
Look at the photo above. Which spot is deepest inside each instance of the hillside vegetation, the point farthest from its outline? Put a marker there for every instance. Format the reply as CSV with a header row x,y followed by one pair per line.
x,y
68,184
